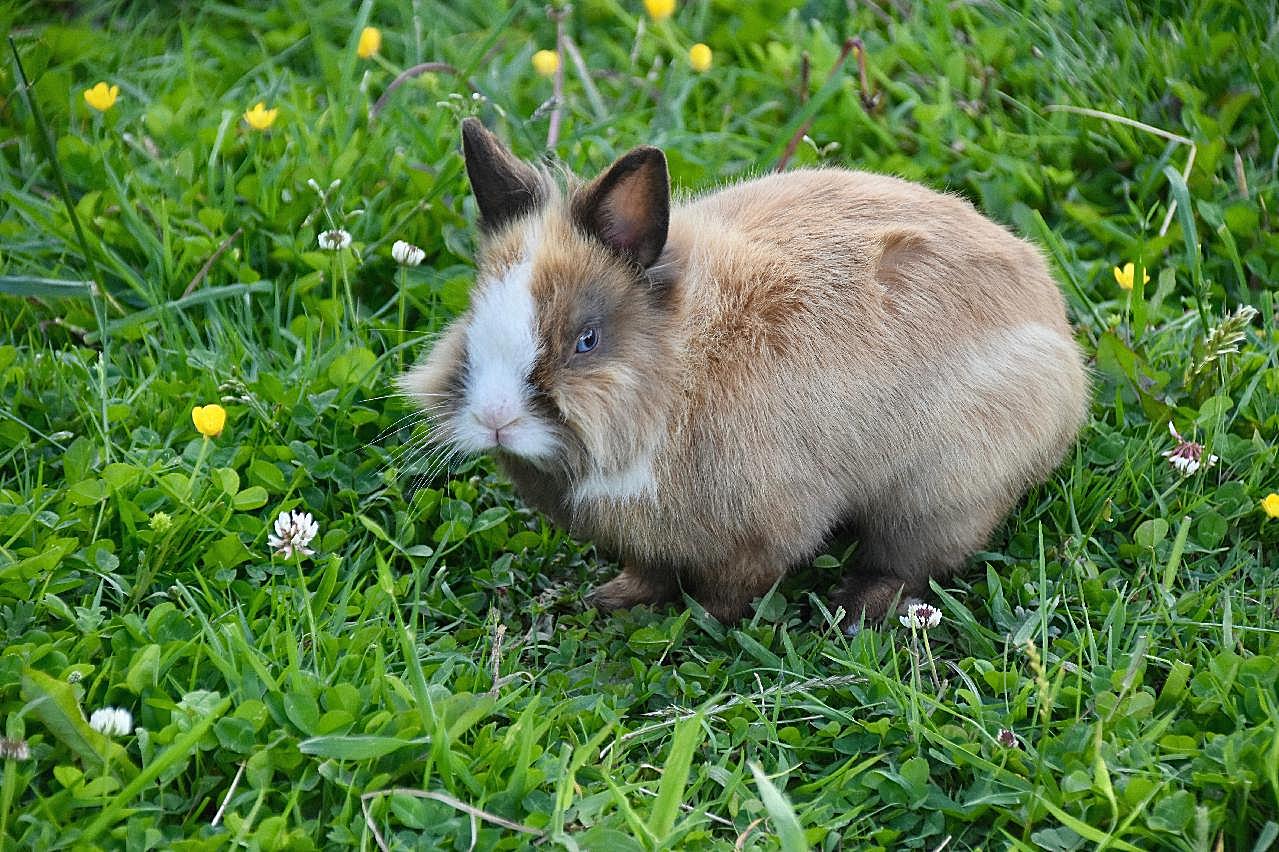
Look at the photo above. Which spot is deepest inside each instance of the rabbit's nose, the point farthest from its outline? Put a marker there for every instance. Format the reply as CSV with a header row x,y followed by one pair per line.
x,y
496,417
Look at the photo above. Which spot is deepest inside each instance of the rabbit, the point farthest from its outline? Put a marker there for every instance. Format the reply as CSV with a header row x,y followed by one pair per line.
x,y
707,389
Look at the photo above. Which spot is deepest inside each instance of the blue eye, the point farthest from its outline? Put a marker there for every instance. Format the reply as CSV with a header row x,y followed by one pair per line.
x,y
587,341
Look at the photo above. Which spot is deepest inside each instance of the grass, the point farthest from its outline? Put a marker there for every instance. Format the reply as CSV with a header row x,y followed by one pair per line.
x,y
1105,676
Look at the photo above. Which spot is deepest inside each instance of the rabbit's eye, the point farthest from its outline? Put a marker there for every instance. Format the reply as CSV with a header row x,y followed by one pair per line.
x,y
587,341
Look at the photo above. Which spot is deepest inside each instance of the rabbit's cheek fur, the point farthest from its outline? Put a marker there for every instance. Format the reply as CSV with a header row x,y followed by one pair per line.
x,y
618,427
609,402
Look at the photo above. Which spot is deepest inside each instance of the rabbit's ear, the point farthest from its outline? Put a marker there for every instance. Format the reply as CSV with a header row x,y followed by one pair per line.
x,y
505,187
628,207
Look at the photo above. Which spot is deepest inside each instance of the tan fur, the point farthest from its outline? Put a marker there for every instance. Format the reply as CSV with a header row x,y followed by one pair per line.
x,y
836,348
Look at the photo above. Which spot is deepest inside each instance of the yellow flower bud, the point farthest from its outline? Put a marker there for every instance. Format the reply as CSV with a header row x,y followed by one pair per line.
x,y
660,10
209,419
102,97
259,117
546,62
370,42
1270,505
699,56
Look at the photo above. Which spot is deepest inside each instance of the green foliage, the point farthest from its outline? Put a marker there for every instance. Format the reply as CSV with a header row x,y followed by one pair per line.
x,y
430,677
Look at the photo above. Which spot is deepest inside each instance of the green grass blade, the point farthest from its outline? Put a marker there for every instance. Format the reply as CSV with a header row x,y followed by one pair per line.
x,y
1174,557
357,747
1086,831
1190,236
1058,251
200,297
45,288
637,826
780,812
50,153
670,792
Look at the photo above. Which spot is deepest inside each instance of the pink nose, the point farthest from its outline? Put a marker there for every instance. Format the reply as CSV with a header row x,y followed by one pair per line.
x,y
496,418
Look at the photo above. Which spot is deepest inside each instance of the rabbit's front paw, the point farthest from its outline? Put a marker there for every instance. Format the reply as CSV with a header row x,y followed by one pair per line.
x,y
630,588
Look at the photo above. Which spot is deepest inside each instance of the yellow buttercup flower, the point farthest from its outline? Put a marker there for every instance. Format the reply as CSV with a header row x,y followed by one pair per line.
x,y
259,117
370,42
1270,505
1125,276
660,10
546,62
102,97
699,56
209,419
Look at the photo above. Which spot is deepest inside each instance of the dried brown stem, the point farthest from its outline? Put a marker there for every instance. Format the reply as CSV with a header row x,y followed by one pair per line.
x,y
798,135
805,75
80,334
592,93
406,75
445,798
208,264
557,111
879,12
1141,125
746,832
495,657
869,98
226,800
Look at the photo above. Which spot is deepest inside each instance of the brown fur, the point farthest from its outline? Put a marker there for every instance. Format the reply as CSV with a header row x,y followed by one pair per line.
x,y
810,349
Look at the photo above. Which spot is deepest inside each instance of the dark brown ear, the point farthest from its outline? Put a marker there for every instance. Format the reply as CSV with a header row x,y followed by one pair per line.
x,y
628,208
505,187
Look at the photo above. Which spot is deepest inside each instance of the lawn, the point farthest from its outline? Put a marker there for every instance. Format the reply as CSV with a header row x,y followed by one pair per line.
x,y
1105,675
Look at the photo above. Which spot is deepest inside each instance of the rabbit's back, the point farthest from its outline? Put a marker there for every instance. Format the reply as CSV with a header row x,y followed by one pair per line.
x,y
852,341
887,262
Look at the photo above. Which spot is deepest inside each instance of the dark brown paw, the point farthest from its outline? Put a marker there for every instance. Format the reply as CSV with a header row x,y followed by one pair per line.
x,y
726,613
627,590
867,600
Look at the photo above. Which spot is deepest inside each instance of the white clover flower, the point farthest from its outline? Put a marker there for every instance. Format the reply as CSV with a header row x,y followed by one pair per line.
x,y
407,254
1008,739
14,748
1187,457
334,240
293,532
111,721
921,615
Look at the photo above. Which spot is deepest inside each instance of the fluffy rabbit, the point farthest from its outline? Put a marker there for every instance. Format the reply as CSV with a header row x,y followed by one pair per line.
x,y
708,389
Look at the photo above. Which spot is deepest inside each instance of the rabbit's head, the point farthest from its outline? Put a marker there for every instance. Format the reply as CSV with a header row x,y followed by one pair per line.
x,y
564,359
